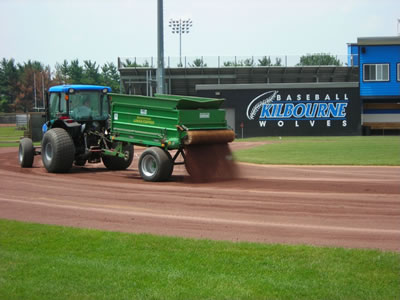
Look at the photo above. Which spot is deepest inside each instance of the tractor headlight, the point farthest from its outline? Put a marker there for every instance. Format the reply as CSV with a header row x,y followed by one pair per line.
x,y
71,91
105,91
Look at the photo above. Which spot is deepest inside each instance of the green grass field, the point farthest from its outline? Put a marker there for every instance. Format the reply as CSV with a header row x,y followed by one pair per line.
x,y
9,136
50,262
354,150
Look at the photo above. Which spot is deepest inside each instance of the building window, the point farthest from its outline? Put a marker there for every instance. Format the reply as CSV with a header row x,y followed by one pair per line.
x,y
398,72
376,72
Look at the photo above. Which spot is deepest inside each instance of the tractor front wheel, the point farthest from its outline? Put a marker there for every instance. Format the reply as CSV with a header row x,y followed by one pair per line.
x,y
26,153
58,151
155,164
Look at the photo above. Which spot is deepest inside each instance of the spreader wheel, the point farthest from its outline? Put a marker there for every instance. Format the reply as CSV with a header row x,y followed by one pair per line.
x,y
155,164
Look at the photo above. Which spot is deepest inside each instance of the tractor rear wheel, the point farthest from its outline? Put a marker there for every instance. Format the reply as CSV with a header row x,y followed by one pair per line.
x,y
58,151
26,153
155,164
119,163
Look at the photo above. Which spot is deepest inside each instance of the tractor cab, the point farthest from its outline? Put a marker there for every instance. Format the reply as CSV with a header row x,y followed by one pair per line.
x,y
80,103
82,112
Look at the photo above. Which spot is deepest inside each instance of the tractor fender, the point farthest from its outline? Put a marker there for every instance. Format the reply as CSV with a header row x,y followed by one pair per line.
x,y
66,124
71,123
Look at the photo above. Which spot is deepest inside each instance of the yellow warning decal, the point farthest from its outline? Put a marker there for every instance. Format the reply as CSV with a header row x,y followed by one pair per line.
x,y
143,120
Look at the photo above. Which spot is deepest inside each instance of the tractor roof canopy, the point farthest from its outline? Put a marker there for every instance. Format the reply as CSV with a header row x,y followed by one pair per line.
x,y
77,87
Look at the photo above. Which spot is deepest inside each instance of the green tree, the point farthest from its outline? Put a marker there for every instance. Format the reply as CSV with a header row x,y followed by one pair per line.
x,y
278,62
265,61
319,59
230,64
4,107
198,63
9,77
133,64
91,73
128,63
34,77
62,73
110,76
27,85
75,72
248,62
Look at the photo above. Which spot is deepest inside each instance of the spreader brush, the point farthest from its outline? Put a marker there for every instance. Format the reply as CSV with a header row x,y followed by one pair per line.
x,y
197,137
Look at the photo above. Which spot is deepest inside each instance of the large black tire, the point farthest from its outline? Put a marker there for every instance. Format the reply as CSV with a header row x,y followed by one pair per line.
x,y
118,163
58,151
26,153
155,164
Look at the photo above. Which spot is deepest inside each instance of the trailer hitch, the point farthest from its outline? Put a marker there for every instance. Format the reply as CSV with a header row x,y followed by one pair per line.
x,y
117,151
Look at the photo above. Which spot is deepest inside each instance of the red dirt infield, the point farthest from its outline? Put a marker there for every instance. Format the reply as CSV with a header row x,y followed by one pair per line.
x,y
337,206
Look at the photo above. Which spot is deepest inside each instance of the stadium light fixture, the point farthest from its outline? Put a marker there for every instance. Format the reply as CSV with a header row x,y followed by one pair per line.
x,y
180,27
398,27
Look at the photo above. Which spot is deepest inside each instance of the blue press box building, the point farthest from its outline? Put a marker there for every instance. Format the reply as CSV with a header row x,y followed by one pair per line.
x,y
378,61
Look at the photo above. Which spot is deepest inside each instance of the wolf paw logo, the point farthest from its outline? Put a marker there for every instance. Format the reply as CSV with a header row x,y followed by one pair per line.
x,y
257,103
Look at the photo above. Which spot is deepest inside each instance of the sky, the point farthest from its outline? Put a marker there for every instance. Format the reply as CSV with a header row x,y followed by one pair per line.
x,y
50,31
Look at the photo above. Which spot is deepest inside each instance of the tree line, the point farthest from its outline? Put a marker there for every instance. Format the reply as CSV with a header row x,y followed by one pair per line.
x,y
316,59
21,83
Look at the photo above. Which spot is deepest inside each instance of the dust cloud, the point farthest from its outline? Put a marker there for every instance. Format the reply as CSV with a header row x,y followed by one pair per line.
x,y
210,162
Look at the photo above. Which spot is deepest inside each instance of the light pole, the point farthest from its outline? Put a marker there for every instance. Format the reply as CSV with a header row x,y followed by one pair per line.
x,y
180,27
160,48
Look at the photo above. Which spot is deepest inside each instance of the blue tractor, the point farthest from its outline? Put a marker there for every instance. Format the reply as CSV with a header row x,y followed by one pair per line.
x,y
76,131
